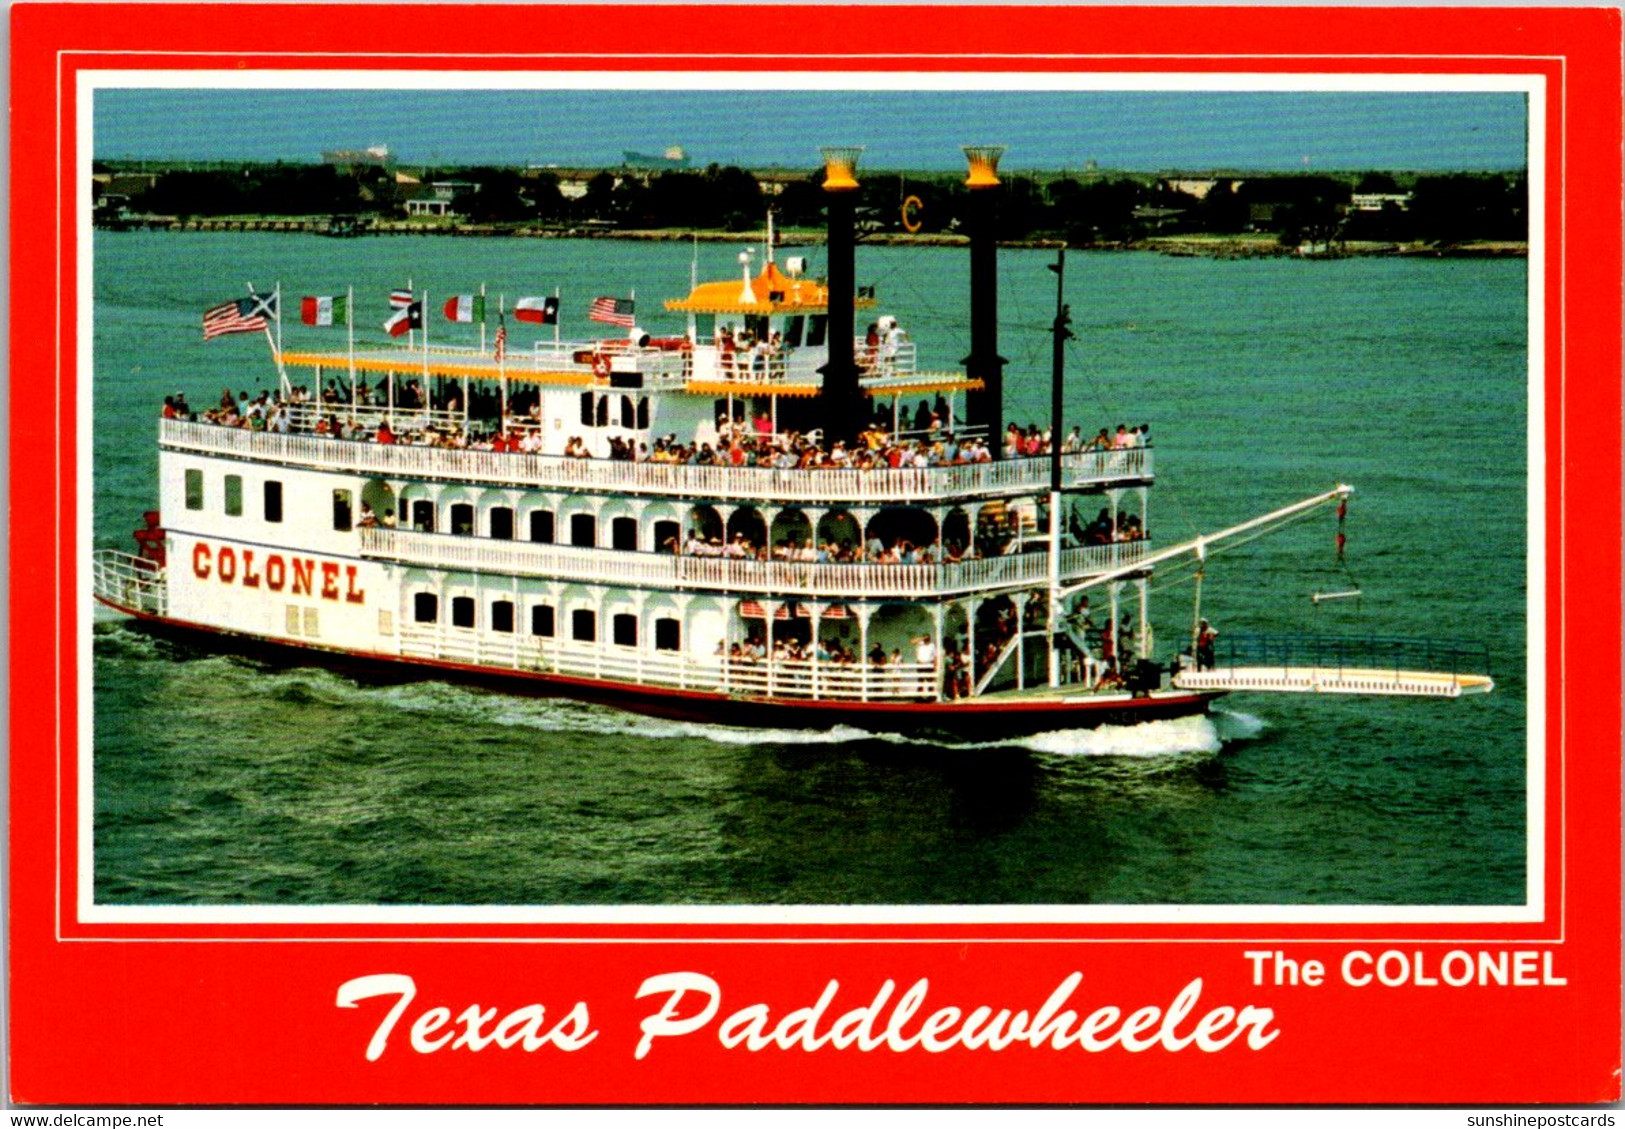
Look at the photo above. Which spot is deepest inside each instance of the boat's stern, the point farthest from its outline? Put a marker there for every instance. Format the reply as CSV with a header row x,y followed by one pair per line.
x,y
128,583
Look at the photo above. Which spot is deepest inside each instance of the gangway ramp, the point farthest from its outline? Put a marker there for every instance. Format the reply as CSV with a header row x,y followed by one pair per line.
x,y
1322,664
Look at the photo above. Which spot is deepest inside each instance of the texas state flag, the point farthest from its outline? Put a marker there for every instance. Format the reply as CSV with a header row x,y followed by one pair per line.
x,y
541,311
405,318
466,307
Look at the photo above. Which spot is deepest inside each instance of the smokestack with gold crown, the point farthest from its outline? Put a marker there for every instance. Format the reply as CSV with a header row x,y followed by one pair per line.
x,y
844,412
986,407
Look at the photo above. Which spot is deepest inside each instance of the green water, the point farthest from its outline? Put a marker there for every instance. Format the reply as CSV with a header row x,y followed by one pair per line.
x,y
218,780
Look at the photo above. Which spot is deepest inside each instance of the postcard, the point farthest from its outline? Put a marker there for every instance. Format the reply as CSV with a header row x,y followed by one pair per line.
x,y
864,555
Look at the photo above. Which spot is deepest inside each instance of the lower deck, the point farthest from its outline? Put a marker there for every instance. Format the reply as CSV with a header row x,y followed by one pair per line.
x,y
709,696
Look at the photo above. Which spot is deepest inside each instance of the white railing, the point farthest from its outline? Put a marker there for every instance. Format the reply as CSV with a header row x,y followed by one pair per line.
x,y
636,569
856,682
884,363
798,678
877,486
129,582
657,365
598,661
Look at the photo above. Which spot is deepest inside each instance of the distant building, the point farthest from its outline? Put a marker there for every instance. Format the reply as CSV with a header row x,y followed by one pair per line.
x,y
1198,187
672,158
435,199
373,156
1377,201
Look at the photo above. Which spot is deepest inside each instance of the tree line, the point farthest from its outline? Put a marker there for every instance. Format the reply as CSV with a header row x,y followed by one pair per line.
x,y
1092,210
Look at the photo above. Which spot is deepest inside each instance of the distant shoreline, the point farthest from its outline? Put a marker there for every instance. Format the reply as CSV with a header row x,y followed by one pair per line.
x,y
1239,246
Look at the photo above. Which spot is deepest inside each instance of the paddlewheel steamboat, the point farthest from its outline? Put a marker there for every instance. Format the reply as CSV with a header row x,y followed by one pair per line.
x,y
771,520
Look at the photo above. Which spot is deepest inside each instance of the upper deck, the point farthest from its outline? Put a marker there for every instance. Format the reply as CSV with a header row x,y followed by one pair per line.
x,y
878,486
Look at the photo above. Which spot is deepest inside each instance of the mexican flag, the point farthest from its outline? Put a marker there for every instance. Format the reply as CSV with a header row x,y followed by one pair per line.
x,y
325,310
466,307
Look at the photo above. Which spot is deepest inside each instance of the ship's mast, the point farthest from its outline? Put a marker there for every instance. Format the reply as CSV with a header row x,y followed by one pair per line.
x,y
1059,334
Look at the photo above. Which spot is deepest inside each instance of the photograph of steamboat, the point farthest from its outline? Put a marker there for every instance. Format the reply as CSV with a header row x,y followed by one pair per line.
x,y
775,519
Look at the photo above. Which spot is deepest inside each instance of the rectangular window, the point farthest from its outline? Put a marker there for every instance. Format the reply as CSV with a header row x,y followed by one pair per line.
x,y
543,621
583,530
234,495
502,523
462,520
342,518
502,616
462,611
273,501
817,327
386,622
293,619
584,625
423,516
668,635
194,489
626,630
425,607
666,536
586,409
310,622
541,526
623,532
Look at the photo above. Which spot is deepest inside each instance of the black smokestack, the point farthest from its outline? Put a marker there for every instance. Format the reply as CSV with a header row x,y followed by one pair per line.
x,y
844,412
985,408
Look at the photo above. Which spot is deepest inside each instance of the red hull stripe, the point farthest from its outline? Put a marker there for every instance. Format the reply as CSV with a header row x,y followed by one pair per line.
x,y
915,710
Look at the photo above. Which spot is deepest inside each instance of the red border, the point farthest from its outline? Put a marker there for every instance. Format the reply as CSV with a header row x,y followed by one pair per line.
x,y
245,1021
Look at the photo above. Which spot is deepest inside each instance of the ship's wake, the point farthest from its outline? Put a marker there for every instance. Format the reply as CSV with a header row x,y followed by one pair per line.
x,y
474,709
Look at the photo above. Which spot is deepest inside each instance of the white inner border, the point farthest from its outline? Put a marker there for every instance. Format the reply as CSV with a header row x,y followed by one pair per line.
x,y
1531,85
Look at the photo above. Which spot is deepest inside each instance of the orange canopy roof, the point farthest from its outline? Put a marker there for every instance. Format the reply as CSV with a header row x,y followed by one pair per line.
x,y
771,292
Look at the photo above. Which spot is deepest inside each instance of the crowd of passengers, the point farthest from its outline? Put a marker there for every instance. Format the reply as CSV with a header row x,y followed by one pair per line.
x,y
737,444
1100,665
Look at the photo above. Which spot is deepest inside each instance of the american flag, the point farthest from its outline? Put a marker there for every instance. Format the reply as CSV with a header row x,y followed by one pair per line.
x,y
400,299
614,311
502,340
240,315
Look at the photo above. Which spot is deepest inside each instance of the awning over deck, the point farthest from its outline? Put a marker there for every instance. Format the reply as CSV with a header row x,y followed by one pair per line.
x,y
459,365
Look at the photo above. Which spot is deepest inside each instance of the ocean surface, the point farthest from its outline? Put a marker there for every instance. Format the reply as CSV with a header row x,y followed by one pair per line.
x,y
224,781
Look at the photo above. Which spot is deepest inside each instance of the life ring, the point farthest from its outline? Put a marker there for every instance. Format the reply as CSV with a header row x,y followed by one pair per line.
x,y
911,207
600,366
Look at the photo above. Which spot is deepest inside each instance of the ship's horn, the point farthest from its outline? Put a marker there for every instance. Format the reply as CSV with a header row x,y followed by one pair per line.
x,y
985,407
844,412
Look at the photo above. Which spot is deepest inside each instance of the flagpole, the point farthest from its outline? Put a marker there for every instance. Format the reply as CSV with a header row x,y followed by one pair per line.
x,y
270,342
411,334
502,359
558,318
277,301
349,323
482,319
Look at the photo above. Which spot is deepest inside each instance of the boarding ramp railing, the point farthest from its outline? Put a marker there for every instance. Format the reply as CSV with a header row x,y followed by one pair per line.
x,y
1333,664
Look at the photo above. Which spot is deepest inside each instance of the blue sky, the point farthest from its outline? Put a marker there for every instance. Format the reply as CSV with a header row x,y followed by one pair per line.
x,y
901,129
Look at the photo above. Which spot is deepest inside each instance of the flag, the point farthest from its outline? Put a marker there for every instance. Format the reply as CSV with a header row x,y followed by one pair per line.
x,y
400,299
542,311
615,311
502,339
407,317
325,310
466,307
240,315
